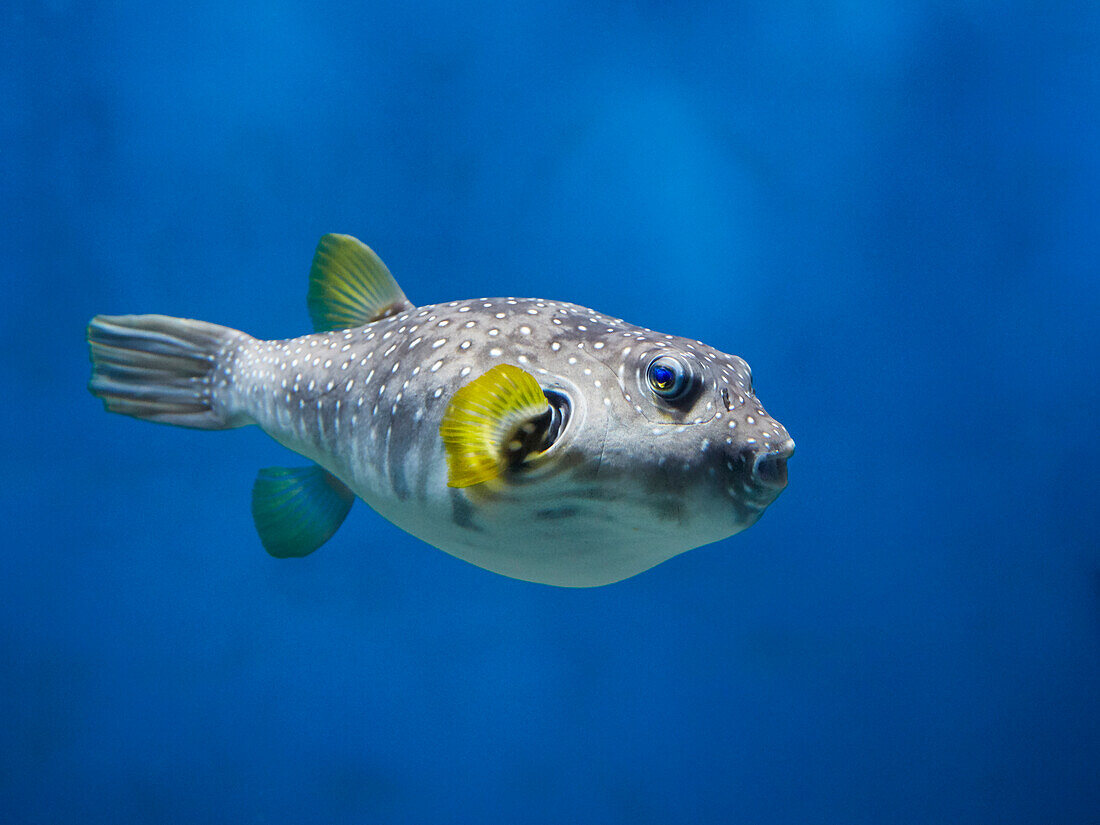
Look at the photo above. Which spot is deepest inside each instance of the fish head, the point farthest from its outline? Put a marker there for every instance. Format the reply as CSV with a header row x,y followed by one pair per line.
x,y
688,447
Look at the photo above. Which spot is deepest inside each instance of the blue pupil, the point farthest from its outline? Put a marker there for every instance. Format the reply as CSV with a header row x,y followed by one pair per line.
x,y
663,378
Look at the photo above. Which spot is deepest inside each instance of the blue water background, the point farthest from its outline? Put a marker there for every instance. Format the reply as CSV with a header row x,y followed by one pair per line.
x,y
890,210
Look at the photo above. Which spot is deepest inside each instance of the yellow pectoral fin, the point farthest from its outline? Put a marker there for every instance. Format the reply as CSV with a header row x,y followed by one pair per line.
x,y
483,426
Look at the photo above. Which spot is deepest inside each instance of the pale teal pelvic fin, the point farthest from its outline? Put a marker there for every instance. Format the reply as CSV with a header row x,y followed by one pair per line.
x,y
297,509
349,286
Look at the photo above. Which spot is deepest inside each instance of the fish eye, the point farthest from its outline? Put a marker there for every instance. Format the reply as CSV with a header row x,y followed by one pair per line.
x,y
668,377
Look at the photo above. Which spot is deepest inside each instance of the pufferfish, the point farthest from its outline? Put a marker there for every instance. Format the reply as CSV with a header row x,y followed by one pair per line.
x,y
534,438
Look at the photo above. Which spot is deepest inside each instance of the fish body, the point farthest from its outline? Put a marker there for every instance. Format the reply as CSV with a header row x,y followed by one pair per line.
x,y
600,473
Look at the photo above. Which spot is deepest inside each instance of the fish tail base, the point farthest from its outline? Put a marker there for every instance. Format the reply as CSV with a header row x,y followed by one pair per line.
x,y
164,369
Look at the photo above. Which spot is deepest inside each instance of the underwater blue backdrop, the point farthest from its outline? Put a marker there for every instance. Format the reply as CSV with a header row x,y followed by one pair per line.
x,y
890,210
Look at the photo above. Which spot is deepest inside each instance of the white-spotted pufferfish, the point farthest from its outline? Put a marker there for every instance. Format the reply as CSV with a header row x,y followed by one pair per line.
x,y
534,438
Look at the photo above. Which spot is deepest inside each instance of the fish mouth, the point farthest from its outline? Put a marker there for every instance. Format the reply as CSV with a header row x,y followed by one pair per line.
x,y
769,470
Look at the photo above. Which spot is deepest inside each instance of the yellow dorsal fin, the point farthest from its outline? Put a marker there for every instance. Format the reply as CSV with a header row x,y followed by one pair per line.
x,y
482,426
350,286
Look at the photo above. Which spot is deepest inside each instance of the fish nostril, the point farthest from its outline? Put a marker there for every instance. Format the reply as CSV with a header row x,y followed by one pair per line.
x,y
770,470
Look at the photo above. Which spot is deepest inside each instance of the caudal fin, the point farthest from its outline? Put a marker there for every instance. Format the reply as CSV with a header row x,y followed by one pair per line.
x,y
162,369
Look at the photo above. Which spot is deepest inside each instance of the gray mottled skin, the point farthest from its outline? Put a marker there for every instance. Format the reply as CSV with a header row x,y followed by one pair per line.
x,y
630,482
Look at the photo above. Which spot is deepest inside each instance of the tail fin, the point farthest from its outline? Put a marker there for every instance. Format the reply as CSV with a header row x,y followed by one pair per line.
x,y
162,369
